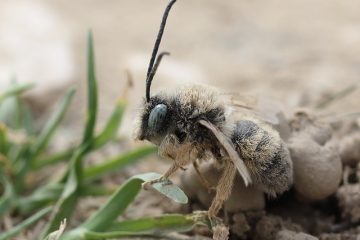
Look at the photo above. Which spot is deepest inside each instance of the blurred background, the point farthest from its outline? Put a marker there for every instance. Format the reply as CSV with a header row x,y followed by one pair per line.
x,y
296,51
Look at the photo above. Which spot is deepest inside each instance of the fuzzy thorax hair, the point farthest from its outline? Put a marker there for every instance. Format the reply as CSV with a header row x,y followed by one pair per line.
x,y
186,106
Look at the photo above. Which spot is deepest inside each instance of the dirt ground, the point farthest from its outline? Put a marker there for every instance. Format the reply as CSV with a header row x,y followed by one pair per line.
x,y
295,52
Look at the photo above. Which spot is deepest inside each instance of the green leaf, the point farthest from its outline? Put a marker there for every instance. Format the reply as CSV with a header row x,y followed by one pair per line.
x,y
156,225
27,119
118,162
43,140
50,193
118,202
167,188
153,227
51,159
92,92
23,225
8,197
96,190
16,90
67,203
115,206
112,125
12,109
74,176
40,198
9,112
4,144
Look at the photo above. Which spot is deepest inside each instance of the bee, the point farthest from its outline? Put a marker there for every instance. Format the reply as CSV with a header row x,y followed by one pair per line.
x,y
197,122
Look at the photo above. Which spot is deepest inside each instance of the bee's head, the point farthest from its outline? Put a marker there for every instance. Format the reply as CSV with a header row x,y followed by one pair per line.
x,y
156,115
155,119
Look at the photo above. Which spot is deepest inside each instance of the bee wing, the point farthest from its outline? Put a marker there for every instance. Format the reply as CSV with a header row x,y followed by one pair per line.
x,y
266,110
234,156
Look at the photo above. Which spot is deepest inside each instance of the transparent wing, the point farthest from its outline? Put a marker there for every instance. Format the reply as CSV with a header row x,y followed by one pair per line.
x,y
234,156
265,109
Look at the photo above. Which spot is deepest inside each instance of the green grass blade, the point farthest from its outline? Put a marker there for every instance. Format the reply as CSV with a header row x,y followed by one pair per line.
x,y
118,202
24,116
50,193
152,227
158,225
4,144
112,125
27,119
118,162
17,89
26,223
12,108
9,112
51,159
68,200
74,176
96,190
90,235
114,206
92,92
5,205
7,199
43,140
40,198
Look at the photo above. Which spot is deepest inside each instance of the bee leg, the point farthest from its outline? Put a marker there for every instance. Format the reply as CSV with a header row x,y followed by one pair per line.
x,y
202,178
174,167
181,158
178,163
171,170
170,148
166,151
223,189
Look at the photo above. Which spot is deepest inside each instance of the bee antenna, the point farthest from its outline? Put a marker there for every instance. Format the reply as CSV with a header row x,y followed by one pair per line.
x,y
152,68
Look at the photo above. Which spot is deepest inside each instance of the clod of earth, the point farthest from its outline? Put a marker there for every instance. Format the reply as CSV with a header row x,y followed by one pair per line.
x,y
291,235
306,122
317,168
350,149
282,126
269,226
349,202
240,225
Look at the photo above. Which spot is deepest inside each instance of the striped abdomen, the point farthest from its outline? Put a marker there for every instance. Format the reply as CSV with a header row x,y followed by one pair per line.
x,y
265,155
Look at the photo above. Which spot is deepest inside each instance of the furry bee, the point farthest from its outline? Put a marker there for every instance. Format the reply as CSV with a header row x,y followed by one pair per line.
x,y
197,122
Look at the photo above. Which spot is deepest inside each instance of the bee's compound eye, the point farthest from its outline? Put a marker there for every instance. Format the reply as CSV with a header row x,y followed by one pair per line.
x,y
157,117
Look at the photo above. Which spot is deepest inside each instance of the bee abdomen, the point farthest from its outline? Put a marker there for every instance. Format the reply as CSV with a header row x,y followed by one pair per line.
x,y
275,175
265,155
